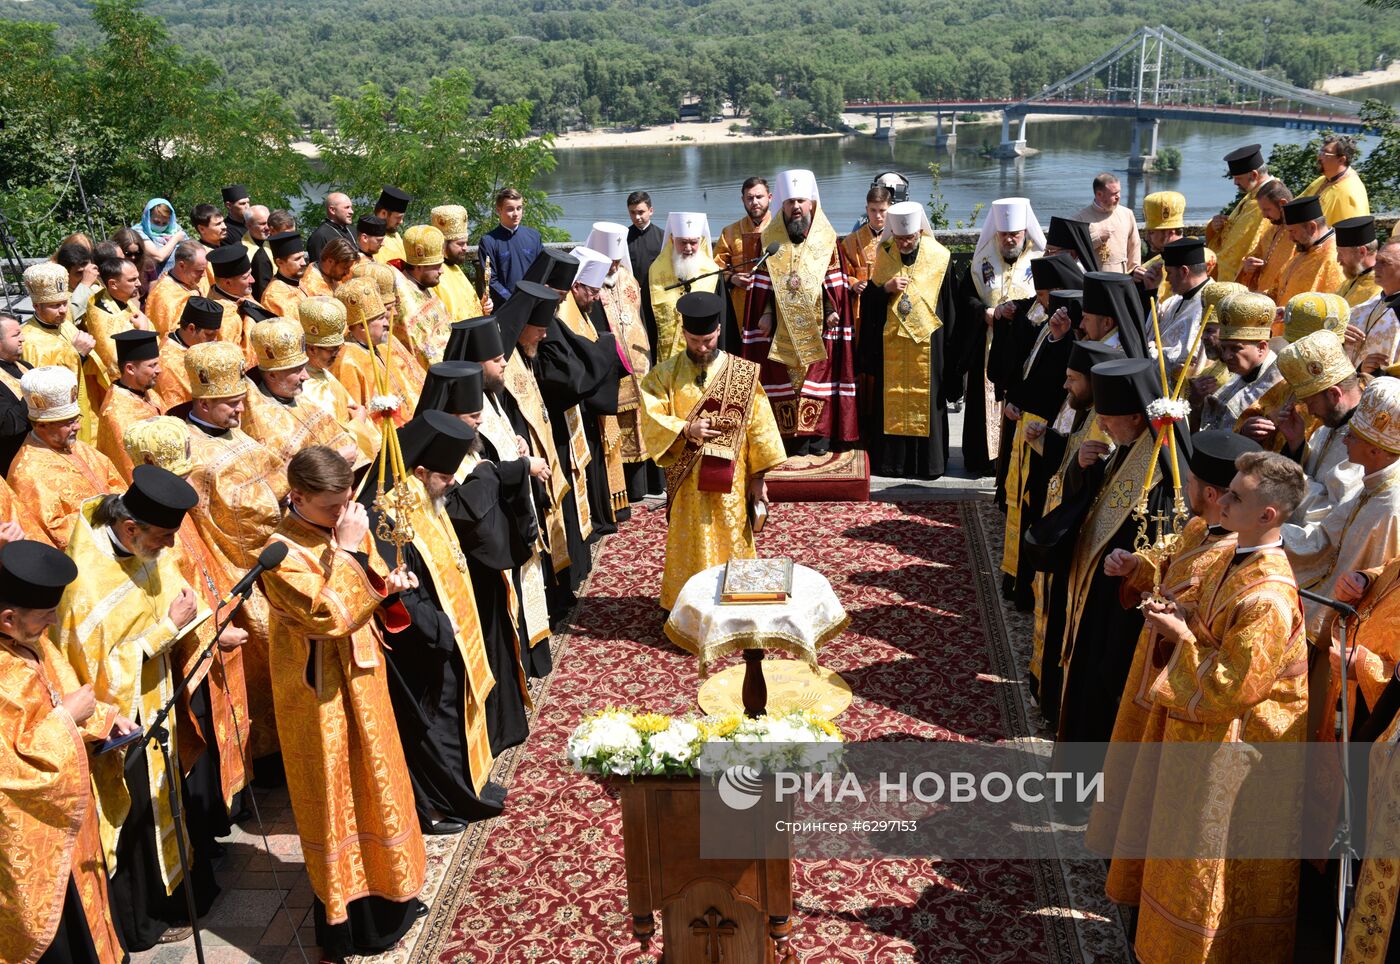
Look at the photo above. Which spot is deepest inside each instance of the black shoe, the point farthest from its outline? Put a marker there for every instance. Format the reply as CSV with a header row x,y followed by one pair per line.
x,y
445,828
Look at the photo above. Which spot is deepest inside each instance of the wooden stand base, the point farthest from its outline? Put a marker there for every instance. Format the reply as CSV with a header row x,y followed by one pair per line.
x,y
736,911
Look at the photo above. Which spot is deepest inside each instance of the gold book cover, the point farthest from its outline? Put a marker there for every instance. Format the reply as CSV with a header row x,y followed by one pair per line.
x,y
756,581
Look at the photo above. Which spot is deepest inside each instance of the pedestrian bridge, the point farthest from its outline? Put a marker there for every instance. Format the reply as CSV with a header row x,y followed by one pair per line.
x,y
1156,74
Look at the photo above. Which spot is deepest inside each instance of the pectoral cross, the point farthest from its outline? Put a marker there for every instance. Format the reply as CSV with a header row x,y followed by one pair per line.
x,y
712,927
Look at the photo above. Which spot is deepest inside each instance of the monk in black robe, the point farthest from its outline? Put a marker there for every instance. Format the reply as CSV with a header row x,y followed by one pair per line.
x,y
922,456
427,674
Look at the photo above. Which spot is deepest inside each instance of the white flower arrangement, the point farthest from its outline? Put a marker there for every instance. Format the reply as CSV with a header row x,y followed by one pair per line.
x,y
623,743
381,404
1168,410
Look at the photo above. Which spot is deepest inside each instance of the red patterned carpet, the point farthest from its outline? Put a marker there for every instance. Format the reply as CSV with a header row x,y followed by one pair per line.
x,y
545,881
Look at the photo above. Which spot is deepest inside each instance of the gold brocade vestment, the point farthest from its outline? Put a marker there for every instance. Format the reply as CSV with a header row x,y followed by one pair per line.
x,y
1241,678
798,274
323,390
241,484
114,626
730,255
50,831
860,247
105,319
911,318
281,297
121,409
705,528
1315,269
1341,199
525,391
423,323
609,432
1117,825
55,485
454,289
660,277
345,767
1361,289
166,303
1243,226
45,345
286,429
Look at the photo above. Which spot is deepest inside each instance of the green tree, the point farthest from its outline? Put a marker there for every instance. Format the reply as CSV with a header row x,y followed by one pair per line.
x,y
436,147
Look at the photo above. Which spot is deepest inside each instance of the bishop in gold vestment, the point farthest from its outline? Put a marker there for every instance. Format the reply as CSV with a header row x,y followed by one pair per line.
x,y
51,337
664,273
241,484
55,472
708,516
54,896
345,767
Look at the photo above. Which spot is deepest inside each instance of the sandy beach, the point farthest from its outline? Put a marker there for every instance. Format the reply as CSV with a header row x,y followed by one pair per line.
x,y
1371,78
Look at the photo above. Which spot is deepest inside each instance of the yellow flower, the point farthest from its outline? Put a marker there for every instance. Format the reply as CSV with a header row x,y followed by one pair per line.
x,y
650,722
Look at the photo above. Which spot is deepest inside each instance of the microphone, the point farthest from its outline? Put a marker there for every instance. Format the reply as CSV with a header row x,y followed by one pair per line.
x,y
755,264
270,558
1341,607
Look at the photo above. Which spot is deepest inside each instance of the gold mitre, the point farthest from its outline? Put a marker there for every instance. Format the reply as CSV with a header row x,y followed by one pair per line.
x,y
47,282
360,296
1377,418
382,274
1314,363
215,369
50,391
162,441
422,245
322,321
1164,210
1246,316
1214,293
278,345
451,220
1315,311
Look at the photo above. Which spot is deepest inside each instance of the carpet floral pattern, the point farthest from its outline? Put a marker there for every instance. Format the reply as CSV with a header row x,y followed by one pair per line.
x,y
927,655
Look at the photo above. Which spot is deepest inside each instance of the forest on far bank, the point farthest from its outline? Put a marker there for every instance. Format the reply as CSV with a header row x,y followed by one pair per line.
x,y
787,65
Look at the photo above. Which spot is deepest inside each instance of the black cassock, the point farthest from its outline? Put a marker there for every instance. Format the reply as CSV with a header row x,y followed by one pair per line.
x,y
906,456
14,416
563,381
1103,646
427,680
642,249
1036,387
969,348
495,545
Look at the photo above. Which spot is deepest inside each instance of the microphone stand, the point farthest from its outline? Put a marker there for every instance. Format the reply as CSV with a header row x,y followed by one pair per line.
x,y
158,733
756,263
1342,843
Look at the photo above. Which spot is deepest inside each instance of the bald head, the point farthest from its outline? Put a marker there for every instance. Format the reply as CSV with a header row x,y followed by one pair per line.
x,y
338,208
256,222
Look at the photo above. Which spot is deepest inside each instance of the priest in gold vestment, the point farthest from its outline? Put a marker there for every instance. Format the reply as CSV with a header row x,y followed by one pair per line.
x,y
425,323
860,246
391,206
117,308
284,291
55,471
52,338
346,775
904,358
187,276
715,442
120,545
1233,236
200,321
1261,268
212,720
132,397
1337,185
407,373
454,288
323,325
740,243
276,415
1235,673
241,484
1313,266
54,903
1356,253
1117,825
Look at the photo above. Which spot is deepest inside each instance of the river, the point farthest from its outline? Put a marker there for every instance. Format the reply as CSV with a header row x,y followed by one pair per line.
x,y
592,184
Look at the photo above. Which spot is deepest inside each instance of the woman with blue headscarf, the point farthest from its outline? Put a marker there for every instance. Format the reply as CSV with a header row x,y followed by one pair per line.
x,y
160,232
